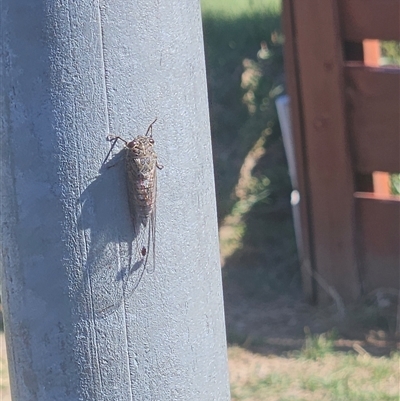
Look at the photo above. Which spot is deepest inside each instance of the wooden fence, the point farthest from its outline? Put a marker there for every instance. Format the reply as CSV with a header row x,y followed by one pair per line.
x,y
346,127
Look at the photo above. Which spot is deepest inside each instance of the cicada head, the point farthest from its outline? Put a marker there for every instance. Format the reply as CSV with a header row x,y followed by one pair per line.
x,y
141,146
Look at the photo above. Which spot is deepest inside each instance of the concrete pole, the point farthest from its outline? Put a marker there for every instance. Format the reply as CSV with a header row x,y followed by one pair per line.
x,y
74,72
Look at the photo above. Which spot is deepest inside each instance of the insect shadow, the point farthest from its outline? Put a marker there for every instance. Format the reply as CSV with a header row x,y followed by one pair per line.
x,y
110,276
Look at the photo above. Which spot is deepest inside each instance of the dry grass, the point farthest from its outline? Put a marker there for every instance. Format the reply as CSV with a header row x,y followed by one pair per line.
x,y
280,359
333,377
4,382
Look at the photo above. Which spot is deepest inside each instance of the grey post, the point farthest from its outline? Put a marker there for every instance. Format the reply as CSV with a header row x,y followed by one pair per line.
x,y
74,72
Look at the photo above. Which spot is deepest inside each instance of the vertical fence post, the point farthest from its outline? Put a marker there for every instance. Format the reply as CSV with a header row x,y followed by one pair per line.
x,y
72,73
321,131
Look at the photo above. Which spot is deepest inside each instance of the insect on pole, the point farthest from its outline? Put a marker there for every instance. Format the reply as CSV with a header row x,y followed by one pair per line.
x,y
141,181
111,283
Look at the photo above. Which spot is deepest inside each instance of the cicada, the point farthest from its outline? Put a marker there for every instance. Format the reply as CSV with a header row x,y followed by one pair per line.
x,y
141,167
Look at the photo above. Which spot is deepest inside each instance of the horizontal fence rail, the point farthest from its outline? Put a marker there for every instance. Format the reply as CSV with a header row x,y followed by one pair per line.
x,y
369,19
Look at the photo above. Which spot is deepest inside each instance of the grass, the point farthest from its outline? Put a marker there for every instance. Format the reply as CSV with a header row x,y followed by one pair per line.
x,y
317,346
235,8
331,376
4,380
233,32
258,212
390,51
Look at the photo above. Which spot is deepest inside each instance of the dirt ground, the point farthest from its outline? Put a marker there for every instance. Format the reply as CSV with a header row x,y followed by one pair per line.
x,y
276,326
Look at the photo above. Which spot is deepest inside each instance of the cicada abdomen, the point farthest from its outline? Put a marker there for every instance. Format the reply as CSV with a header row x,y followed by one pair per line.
x,y
141,172
141,177
141,165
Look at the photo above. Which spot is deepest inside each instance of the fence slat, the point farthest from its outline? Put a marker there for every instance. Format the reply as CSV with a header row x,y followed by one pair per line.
x,y
370,19
379,231
373,116
329,169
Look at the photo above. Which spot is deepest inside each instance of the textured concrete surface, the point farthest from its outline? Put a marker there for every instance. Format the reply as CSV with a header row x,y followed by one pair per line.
x,y
73,73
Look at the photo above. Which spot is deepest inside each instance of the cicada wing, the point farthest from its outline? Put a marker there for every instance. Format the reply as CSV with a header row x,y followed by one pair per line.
x,y
151,244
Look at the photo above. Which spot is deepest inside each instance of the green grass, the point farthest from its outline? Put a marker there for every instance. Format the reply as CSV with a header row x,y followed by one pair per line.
x,y
315,373
335,376
233,34
355,378
317,345
390,51
234,8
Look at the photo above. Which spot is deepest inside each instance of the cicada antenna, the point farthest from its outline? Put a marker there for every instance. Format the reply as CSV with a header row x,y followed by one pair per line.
x,y
150,129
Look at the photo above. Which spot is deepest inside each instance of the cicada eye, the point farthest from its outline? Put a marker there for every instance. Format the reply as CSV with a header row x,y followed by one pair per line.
x,y
151,140
131,144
